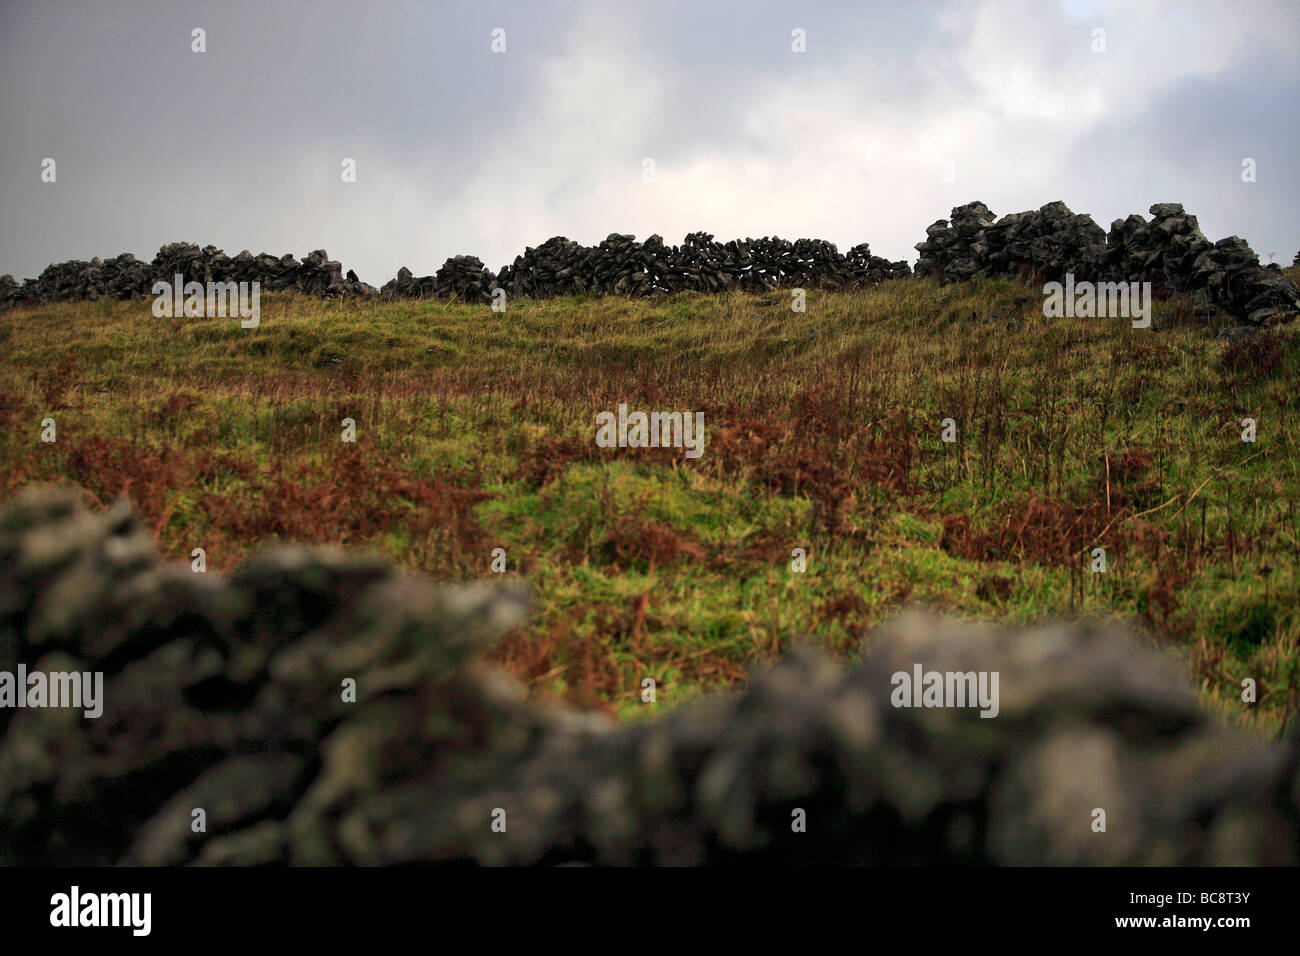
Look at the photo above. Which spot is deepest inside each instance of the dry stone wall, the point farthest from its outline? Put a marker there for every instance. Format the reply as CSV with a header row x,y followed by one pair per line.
x,y
224,694
1169,251
622,266
618,266
126,277
1045,244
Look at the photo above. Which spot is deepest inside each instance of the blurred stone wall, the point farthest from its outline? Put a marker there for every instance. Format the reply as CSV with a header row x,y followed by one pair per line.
x,y
227,695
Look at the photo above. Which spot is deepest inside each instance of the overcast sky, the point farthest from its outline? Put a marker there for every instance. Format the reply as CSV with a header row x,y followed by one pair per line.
x,y
460,150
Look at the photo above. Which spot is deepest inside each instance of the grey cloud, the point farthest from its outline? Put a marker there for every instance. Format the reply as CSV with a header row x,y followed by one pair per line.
x,y
461,151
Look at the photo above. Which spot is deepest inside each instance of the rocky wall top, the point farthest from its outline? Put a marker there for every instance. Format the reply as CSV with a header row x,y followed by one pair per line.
x,y
618,266
1169,251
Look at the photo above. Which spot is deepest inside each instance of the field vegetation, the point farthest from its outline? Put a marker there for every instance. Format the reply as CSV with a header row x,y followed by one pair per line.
x,y
475,431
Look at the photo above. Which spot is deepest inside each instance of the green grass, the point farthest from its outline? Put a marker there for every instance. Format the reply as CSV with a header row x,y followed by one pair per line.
x,y
476,431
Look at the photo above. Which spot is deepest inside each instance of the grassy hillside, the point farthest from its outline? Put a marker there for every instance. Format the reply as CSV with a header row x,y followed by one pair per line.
x,y
475,430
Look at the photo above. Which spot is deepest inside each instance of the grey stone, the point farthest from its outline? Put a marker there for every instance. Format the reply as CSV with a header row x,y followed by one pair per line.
x,y
1237,333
